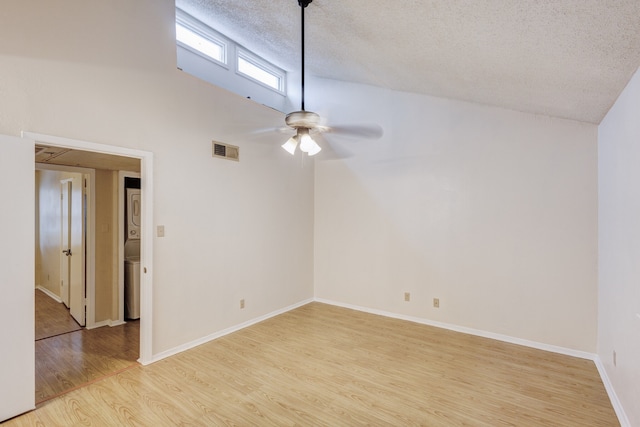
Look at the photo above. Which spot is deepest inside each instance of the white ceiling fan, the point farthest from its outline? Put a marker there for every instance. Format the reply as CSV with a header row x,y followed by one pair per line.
x,y
306,123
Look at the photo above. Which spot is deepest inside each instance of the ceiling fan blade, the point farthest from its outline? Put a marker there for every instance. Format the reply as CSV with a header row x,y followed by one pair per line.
x,y
331,151
272,130
358,131
253,131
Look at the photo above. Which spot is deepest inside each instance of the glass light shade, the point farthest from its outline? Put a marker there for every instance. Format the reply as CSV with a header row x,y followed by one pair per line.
x,y
315,149
291,145
306,142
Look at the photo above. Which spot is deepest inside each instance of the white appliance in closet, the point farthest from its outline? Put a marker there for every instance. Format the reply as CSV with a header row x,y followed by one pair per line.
x,y
133,213
132,255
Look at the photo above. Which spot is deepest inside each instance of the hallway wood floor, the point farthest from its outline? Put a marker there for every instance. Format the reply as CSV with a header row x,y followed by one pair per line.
x,y
75,356
321,365
52,317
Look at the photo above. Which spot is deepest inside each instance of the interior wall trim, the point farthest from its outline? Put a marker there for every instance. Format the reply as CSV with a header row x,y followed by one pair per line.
x,y
109,322
466,330
617,405
615,402
50,294
227,331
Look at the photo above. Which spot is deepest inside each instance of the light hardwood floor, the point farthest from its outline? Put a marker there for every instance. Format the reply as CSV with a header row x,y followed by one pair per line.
x,y
321,365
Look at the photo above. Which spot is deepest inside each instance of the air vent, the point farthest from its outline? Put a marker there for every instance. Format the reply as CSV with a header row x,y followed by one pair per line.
x,y
226,151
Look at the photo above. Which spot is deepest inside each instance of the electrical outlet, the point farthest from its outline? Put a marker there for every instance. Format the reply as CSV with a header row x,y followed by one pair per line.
x,y
242,303
436,302
615,362
407,296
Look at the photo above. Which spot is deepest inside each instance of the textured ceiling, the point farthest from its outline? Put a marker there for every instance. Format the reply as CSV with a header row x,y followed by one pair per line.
x,y
563,58
67,157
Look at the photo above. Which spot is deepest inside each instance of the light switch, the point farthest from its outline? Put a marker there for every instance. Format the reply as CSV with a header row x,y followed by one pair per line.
x,y
161,231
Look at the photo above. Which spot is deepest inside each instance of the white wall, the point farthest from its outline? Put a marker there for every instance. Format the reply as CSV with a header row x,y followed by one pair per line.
x,y
619,247
105,72
492,211
48,228
48,231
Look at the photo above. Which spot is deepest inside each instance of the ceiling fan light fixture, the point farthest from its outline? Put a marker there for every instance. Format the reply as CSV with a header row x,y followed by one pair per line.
x,y
291,145
307,144
315,149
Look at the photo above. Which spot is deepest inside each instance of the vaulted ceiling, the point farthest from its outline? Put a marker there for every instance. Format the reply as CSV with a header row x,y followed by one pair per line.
x,y
562,58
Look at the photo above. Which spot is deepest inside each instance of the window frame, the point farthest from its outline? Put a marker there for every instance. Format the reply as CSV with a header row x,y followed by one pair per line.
x,y
266,66
200,29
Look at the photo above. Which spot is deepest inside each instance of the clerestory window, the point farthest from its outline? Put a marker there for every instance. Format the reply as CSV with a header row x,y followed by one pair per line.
x,y
258,69
214,57
200,44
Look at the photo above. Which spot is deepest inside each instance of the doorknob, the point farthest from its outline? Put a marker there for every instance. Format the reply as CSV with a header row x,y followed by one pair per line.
x,y
67,252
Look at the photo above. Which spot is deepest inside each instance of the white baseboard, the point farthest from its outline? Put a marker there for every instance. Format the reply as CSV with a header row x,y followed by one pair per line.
x,y
108,322
617,406
200,341
50,294
466,330
98,324
118,322
615,402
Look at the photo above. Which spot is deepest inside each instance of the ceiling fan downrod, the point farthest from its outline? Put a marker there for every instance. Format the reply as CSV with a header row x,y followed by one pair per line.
x,y
303,4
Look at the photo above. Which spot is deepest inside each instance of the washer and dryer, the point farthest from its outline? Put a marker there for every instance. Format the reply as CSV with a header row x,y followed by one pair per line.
x,y
132,256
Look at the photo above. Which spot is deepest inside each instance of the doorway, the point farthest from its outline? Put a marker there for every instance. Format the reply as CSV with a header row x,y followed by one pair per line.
x,y
99,152
66,354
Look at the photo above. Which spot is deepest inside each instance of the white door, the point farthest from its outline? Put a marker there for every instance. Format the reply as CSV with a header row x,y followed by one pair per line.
x,y
65,240
17,335
72,277
76,253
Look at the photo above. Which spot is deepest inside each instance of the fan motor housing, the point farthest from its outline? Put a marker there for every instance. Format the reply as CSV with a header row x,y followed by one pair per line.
x,y
302,119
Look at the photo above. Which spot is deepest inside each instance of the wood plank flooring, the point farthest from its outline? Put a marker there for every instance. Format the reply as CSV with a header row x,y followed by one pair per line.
x,y
321,365
68,360
71,360
52,317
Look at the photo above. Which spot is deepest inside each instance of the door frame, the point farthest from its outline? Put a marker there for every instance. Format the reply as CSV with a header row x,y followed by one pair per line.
x,y
65,241
146,229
